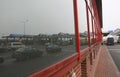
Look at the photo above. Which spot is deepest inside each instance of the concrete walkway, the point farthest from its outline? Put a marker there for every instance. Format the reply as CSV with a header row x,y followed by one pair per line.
x,y
105,66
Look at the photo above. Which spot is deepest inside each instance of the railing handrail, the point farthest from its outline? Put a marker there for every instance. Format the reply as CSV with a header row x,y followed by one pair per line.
x,y
64,65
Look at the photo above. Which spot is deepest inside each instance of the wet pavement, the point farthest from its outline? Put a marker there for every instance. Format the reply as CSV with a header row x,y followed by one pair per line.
x,y
115,53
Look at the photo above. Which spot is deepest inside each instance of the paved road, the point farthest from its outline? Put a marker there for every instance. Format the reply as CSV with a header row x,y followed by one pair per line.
x,y
13,68
115,53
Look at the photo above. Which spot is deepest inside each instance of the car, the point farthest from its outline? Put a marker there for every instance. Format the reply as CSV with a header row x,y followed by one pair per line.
x,y
53,48
15,45
26,53
110,41
1,59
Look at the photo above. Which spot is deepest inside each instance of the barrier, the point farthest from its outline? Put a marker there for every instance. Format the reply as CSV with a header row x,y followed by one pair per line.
x,y
78,64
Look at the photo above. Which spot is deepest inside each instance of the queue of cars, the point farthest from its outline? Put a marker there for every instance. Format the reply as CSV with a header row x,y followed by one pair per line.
x,y
15,45
21,52
29,52
11,46
26,53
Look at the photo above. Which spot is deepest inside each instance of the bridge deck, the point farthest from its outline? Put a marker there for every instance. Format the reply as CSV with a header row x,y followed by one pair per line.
x,y
106,66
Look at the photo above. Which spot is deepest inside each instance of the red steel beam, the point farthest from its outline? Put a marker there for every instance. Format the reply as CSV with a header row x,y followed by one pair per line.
x,y
77,34
88,24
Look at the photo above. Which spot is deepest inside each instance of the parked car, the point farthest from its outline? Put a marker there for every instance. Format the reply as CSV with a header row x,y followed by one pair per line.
x,y
26,53
53,48
110,41
15,45
1,59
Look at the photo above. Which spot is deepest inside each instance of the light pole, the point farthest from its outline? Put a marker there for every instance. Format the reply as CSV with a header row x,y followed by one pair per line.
x,y
24,23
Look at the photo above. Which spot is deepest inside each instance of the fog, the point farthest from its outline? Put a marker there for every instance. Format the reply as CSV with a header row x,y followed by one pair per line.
x,y
111,14
50,16
44,16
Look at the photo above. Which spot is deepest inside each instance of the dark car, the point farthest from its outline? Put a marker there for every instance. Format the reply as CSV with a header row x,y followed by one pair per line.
x,y
110,41
26,53
53,48
1,59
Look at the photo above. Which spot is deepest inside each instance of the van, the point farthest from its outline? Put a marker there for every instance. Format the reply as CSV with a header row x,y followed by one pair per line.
x,y
110,41
15,45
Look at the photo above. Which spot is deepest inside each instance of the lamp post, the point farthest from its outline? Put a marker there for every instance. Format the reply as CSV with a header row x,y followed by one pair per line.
x,y
24,23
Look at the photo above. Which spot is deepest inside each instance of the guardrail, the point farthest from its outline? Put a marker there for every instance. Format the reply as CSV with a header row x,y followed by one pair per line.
x,y
70,67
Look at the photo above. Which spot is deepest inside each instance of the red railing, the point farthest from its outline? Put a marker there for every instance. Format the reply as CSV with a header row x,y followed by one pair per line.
x,y
66,66
76,64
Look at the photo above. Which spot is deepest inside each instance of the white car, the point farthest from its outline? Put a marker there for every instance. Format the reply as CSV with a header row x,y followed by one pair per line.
x,y
15,45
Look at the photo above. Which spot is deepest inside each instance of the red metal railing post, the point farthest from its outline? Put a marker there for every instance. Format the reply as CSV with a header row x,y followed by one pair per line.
x,y
88,25
88,28
77,34
92,18
99,32
77,64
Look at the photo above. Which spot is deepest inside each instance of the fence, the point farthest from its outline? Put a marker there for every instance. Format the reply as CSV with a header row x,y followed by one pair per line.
x,y
79,64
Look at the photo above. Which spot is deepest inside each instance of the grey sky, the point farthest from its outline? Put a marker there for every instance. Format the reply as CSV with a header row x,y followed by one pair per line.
x,y
45,16
48,16
111,14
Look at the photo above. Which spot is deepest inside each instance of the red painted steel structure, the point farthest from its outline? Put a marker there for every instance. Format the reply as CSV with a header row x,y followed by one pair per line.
x,y
75,65
77,34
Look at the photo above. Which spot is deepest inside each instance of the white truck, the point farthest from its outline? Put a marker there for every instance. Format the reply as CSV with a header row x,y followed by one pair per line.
x,y
114,36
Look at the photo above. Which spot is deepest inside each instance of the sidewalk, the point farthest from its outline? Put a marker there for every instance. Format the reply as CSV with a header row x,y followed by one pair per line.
x,y
106,66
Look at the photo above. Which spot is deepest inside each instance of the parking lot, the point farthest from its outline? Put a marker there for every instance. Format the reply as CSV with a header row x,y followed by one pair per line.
x,y
13,68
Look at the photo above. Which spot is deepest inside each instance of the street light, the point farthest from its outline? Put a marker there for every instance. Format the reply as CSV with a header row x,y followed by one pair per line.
x,y
24,23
